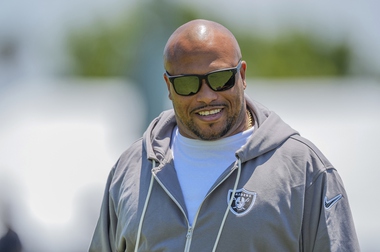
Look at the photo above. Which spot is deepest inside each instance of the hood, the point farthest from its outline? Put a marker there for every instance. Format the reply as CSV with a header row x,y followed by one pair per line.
x,y
270,132
156,139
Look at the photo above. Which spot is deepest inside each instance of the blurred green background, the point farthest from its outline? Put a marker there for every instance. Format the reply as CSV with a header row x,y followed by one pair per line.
x,y
114,48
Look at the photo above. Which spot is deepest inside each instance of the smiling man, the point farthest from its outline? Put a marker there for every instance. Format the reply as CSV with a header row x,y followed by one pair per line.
x,y
220,172
201,112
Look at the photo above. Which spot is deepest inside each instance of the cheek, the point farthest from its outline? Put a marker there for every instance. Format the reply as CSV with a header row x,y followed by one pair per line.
x,y
178,104
236,100
180,110
236,95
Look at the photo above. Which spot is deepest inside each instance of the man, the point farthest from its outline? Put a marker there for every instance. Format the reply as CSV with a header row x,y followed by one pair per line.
x,y
220,172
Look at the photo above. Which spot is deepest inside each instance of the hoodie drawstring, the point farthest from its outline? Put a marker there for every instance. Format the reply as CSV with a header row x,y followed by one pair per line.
x,y
228,207
145,207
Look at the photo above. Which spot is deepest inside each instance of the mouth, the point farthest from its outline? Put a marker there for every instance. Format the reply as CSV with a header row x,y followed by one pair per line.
x,y
209,112
210,115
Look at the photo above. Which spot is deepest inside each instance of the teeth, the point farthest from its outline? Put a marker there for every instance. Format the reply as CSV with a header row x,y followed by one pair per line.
x,y
210,112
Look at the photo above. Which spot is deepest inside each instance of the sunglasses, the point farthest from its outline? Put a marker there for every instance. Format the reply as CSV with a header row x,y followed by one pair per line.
x,y
190,84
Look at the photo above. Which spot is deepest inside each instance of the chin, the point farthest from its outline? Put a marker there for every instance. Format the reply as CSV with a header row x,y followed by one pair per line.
x,y
210,134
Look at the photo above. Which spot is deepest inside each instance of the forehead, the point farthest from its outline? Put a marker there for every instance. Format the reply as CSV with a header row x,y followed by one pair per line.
x,y
202,60
188,55
201,66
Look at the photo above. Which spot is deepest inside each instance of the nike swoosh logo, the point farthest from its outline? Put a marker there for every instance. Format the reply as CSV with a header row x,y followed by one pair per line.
x,y
330,202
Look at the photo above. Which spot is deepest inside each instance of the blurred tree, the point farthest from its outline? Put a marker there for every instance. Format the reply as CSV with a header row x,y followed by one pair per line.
x,y
294,55
110,50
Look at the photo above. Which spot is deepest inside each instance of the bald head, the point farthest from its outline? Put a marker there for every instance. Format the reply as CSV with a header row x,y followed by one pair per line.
x,y
200,40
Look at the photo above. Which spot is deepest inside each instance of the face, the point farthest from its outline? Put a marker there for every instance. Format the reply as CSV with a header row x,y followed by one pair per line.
x,y
208,114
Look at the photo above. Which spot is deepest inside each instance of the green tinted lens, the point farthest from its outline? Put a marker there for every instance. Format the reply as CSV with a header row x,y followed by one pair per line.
x,y
221,80
186,85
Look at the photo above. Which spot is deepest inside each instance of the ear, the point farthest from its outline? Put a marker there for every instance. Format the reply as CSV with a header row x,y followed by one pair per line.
x,y
168,85
242,73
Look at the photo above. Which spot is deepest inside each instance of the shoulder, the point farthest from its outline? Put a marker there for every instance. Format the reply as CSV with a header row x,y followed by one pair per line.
x,y
128,162
313,151
135,151
308,158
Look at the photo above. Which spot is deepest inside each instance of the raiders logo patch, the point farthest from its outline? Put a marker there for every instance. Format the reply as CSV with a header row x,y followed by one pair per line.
x,y
242,201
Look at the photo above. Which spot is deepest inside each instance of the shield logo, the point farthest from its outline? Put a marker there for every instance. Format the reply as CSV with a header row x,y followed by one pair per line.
x,y
242,201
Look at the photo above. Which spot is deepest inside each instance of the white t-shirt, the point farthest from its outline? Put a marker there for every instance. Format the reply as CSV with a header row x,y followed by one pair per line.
x,y
199,163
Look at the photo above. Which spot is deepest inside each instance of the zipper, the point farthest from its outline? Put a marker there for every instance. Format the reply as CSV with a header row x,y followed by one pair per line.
x,y
189,236
189,233
224,179
190,229
171,196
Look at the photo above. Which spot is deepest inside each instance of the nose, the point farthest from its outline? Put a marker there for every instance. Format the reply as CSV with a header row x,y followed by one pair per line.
x,y
206,94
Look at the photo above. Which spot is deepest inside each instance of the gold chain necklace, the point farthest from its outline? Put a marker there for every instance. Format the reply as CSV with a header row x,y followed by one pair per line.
x,y
250,120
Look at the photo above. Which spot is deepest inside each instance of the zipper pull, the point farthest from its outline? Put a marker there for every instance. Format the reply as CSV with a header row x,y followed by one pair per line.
x,y
188,239
189,233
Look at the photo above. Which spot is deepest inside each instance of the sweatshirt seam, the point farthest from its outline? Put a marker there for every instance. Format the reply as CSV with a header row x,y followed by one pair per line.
x,y
321,171
324,168
312,149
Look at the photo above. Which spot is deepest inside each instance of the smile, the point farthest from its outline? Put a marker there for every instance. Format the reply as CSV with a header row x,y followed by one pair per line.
x,y
209,112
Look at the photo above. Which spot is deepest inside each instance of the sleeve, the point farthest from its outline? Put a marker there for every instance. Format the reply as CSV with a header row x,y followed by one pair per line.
x,y
328,224
104,234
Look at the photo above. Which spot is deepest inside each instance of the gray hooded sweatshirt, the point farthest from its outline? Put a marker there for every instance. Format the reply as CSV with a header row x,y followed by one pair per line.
x,y
281,194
